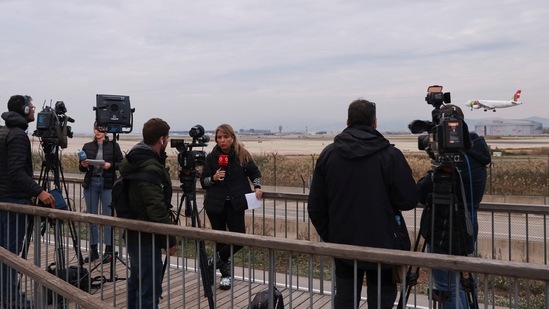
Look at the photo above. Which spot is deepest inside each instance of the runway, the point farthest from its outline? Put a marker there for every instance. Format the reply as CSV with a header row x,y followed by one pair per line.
x,y
304,144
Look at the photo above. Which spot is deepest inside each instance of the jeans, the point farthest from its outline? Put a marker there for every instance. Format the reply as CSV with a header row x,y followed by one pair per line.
x,y
145,281
13,227
445,281
345,287
92,195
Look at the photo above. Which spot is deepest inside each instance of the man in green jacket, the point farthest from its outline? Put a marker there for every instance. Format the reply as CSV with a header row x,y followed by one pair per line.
x,y
150,198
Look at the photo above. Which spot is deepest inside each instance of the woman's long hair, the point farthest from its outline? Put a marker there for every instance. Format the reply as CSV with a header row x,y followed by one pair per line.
x,y
241,153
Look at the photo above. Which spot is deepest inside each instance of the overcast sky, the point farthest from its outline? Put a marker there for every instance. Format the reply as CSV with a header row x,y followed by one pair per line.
x,y
264,64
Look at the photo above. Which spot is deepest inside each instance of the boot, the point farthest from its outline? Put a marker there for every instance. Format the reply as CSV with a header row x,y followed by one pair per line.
x,y
94,255
107,254
226,279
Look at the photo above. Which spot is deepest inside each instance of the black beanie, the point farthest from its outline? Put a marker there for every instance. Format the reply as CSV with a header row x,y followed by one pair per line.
x,y
16,104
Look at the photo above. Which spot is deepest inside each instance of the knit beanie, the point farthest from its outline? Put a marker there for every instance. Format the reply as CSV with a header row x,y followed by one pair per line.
x,y
16,104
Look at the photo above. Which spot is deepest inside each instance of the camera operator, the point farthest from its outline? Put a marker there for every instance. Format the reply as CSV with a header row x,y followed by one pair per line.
x,y
16,186
473,173
225,200
359,181
97,185
150,197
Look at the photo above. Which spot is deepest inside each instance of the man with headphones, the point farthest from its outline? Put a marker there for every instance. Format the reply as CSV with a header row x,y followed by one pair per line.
x,y
17,186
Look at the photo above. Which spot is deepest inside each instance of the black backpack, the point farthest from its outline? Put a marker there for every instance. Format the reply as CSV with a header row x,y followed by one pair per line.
x,y
120,193
261,300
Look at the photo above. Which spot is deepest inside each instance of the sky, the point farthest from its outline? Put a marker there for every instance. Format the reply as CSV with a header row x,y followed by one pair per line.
x,y
266,64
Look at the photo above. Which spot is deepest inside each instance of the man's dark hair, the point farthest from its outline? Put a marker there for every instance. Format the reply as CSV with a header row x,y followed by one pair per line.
x,y
154,129
361,112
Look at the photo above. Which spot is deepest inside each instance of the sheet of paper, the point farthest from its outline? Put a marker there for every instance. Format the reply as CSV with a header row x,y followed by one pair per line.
x,y
96,162
252,201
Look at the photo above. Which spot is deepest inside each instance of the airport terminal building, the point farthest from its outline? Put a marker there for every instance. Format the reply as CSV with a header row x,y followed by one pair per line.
x,y
508,127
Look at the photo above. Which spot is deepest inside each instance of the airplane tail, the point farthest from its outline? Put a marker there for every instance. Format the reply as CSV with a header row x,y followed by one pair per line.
x,y
516,97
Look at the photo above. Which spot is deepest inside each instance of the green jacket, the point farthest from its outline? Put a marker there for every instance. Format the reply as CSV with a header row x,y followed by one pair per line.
x,y
152,201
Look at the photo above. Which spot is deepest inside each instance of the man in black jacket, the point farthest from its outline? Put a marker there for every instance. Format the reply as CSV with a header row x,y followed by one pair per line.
x,y
18,187
359,183
472,170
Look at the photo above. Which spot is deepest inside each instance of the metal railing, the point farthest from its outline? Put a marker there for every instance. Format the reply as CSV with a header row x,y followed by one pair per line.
x,y
282,248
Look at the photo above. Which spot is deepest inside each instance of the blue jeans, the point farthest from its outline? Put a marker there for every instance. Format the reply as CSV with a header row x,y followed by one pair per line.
x,y
445,281
13,227
92,195
145,281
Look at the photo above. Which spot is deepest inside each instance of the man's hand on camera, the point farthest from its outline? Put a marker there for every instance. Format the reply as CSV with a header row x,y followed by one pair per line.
x,y
46,198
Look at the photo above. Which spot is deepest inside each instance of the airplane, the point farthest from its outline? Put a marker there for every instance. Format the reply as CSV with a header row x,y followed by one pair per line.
x,y
493,104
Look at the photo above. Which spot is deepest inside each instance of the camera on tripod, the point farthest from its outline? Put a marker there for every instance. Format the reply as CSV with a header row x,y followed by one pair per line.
x,y
188,158
51,125
446,134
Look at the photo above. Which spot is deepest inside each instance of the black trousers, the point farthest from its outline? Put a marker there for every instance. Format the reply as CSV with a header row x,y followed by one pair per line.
x,y
230,220
345,287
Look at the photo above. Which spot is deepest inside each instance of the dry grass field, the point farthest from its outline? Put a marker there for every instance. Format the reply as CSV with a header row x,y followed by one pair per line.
x,y
520,166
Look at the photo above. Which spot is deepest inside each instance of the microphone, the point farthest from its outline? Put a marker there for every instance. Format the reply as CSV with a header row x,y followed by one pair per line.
x,y
223,161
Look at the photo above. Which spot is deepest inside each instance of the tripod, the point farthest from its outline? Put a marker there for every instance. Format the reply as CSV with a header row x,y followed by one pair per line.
x,y
444,200
188,184
52,164
112,276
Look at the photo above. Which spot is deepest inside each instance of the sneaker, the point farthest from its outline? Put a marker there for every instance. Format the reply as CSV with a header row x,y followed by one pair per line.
x,y
94,255
107,257
226,279
225,283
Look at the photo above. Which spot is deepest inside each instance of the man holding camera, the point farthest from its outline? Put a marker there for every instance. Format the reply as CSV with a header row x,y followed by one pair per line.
x,y
18,187
359,183
150,197
472,169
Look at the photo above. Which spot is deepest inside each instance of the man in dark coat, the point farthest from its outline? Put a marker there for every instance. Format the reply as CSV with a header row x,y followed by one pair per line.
x,y
472,174
18,187
150,197
360,182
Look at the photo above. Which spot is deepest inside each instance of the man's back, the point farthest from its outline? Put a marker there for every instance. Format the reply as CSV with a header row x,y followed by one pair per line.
x,y
358,181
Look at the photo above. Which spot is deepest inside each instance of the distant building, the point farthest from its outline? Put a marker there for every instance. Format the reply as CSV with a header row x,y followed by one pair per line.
x,y
508,127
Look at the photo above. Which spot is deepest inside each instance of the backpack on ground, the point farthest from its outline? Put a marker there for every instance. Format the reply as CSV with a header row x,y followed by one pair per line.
x,y
261,300
120,203
78,276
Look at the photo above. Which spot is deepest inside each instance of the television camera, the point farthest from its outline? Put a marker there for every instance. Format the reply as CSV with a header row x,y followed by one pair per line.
x,y
51,125
445,139
446,135
189,160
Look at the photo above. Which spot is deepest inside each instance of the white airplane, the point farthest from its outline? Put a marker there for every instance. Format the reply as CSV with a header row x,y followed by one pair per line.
x,y
493,104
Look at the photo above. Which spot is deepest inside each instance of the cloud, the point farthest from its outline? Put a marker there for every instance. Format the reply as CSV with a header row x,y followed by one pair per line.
x,y
269,63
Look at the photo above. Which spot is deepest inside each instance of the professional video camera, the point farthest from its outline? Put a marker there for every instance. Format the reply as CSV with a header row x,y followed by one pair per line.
x,y
188,158
447,135
51,125
443,221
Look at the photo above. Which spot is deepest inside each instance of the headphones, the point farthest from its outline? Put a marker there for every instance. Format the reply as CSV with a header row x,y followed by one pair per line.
x,y
26,108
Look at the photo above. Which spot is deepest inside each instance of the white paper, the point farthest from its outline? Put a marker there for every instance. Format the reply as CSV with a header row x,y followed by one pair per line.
x,y
252,201
95,162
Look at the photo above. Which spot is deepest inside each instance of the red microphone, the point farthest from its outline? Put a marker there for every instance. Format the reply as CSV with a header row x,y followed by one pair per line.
x,y
223,161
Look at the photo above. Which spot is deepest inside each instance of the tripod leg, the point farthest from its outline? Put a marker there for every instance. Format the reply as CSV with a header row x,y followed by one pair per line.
x,y
411,276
